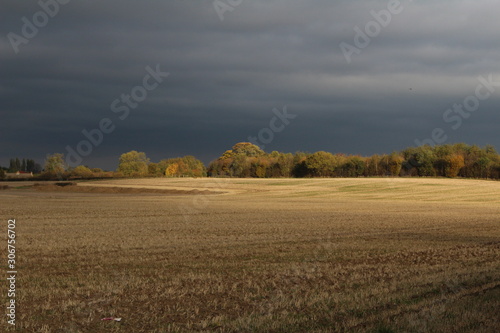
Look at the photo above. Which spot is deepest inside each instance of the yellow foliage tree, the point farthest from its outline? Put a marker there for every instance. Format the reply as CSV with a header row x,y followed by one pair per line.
x,y
455,164
172,170
81,172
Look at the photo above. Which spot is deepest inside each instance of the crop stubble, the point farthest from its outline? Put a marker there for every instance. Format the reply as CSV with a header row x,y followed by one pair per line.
x,y
277,255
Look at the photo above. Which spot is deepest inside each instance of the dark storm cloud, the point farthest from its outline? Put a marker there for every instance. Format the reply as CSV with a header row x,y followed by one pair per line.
x,y
226,76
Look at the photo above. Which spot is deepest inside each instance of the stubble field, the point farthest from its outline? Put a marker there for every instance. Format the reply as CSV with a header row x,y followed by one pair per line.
x,y
272,255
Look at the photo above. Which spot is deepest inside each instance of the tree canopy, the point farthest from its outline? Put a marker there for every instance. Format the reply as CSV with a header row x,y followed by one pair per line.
x,y
457,160
133,164
187,166
245,159
55,165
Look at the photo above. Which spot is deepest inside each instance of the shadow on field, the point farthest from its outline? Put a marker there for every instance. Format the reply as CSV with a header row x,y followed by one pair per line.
x,y
73,187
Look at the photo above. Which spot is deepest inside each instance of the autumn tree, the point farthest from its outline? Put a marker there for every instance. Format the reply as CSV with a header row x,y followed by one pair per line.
x,y
454,163
187,166
236,162
281,165
247,160
260,167
133,164
395,164
172,170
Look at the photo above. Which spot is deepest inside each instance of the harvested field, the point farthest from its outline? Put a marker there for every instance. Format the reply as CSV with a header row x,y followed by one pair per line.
x,y
73,187
261,255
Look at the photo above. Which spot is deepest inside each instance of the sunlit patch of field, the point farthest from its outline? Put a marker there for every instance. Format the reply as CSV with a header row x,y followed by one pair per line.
x,y
267,255
419,189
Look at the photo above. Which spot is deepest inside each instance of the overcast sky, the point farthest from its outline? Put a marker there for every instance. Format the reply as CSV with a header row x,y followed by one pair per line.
x,y
227,75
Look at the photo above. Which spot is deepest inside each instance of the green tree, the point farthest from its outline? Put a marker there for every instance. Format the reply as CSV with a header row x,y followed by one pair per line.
x,y
482,165
489,149
37,168
30,165
247,149
12,165
299,164
154,170
240,166
283,166
372,166
320,164
353,167
419,161
133,164
194,167
82,171
55,165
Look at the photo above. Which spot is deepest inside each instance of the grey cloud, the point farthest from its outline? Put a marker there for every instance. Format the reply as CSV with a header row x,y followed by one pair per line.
x,y
225,77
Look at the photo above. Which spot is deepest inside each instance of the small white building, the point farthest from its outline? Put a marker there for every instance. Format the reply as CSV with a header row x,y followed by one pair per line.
x,y
19,175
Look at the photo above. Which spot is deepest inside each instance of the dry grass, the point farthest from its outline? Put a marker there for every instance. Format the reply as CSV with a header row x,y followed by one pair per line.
x,y
276,255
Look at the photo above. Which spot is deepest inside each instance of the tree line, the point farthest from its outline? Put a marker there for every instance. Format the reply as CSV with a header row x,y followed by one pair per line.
x,y
136,164
245,159
452,160
130,164
24,165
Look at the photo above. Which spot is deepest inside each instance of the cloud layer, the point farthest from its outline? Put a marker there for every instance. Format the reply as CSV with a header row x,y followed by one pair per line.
x,y
227,76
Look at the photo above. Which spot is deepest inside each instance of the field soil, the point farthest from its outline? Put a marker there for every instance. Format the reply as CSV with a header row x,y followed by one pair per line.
x,y
256,255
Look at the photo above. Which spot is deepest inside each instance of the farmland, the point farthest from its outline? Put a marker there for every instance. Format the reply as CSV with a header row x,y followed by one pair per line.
x,y
257,255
